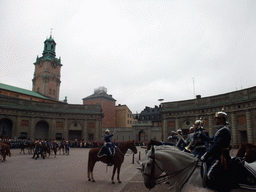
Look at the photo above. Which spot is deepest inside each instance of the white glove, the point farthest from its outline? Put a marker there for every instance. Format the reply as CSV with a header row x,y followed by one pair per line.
x,y
202,158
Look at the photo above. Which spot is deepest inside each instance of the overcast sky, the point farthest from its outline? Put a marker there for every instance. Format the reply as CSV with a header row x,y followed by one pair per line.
x,y
140,50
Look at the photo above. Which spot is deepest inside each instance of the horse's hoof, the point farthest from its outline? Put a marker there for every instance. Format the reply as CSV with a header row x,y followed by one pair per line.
x,y
93,180
119,182
89,179
113,182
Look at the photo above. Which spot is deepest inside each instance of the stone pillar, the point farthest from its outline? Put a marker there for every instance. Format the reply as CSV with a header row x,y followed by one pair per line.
x,y
65,131
97,131
85,130
249,127
16,133
177,123
165,126
134,133
31,131
149,133
52,130
234,130
211,129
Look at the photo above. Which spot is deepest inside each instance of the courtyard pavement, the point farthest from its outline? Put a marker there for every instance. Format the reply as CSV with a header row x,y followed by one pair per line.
x,y
67,173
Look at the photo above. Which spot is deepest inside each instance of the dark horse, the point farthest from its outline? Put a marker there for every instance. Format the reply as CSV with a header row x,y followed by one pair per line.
x,y
46,150
62,147
248,151
5,150
118,159
54,148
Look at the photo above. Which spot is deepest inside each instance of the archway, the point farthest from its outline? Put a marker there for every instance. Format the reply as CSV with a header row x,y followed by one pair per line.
x,y
41,130
185,126
75,131
243,137
5,128
142,135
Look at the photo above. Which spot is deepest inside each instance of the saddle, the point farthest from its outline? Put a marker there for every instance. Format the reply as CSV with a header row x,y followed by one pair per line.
x,y
104,152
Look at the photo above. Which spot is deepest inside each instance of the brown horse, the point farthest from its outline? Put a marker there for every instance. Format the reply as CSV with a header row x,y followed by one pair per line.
x,y
248,151
5,150
118,159
62,147
31,147
23,146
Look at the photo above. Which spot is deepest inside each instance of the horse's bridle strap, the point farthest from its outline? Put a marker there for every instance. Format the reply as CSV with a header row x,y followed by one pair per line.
x,y
165,177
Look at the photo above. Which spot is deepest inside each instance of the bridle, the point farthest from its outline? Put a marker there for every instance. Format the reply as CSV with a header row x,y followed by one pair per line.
x,y
121,151
158,180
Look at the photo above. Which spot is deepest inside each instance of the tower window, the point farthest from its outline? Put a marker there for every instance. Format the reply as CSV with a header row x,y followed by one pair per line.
x,y
50,91
38,89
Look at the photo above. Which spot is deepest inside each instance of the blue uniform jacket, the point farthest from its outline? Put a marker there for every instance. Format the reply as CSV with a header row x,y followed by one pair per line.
x,y
109,143
221,139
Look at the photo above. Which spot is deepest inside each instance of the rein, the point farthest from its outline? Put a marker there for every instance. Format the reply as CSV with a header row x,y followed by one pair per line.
x,y
120,150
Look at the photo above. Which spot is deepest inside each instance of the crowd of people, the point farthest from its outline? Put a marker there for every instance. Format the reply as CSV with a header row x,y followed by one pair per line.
x,y
74,143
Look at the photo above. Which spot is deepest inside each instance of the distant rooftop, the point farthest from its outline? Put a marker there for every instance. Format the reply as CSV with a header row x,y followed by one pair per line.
x,y
21,91
100,92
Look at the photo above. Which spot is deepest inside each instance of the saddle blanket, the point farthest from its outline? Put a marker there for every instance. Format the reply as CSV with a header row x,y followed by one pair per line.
x,y
104,152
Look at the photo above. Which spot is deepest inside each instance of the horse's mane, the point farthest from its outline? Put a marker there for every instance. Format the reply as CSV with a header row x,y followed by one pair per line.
x,y
175,162
173,156
153,142
124,143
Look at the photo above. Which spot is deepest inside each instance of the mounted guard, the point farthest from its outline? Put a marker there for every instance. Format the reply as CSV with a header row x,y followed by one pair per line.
x,y
109,148
198,140
181,142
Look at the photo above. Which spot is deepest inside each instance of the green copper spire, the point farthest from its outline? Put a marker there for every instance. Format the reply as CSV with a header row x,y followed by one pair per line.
x,y
49,47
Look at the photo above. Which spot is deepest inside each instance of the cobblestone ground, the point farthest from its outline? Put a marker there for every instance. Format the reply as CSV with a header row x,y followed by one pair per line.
x,y
68,173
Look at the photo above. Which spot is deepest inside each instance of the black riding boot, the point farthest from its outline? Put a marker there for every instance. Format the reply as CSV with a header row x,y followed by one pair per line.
x,y
110,160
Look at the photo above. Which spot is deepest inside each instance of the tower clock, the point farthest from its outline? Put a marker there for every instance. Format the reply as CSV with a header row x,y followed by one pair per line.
x,y
47,71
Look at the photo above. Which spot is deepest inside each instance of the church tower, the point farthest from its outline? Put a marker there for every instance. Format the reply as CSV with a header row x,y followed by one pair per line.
x,y
47,71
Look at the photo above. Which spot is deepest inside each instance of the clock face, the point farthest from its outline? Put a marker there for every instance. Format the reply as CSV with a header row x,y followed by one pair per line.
x,y
54,64
40,63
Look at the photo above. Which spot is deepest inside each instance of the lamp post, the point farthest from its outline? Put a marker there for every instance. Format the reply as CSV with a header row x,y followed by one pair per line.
x,y
160,100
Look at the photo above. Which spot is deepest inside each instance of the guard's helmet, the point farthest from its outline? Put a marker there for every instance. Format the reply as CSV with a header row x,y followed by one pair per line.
x,y
179,131
199,122
222,114
107,131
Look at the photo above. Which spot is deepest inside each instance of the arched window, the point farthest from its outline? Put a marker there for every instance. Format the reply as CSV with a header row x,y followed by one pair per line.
x,y
50,91
38,89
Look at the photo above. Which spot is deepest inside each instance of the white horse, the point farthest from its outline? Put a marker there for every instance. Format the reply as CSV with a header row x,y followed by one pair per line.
x,y
181,169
